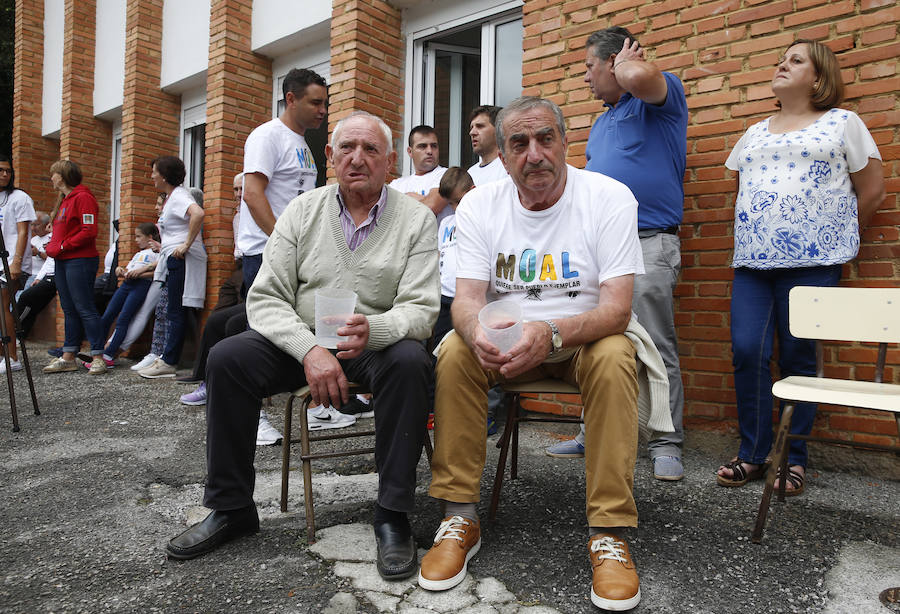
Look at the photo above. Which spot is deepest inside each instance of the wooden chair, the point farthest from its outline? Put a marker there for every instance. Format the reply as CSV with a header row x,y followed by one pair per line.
x,y
306,456
838,314
514,416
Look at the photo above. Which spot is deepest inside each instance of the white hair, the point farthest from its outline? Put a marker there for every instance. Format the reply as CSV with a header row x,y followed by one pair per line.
x,y
385,129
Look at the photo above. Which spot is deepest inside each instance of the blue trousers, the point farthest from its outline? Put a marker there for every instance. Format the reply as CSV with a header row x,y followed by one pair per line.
x,y
124,303
759,308
75,285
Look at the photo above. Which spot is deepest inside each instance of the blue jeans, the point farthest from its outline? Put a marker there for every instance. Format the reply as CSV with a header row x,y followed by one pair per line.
x,y
250,267
124,303
759,307
75,285
175,311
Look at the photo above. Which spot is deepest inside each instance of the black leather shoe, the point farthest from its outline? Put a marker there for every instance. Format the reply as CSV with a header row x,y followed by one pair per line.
x,y
396,550
216,529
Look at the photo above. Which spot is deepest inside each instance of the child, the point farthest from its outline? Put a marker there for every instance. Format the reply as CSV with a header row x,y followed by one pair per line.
x,y
129,297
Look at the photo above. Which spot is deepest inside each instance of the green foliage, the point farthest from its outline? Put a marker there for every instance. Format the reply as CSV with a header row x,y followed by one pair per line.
x,y
7,64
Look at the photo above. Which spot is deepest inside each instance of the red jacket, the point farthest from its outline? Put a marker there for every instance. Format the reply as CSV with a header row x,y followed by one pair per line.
x,y
75,226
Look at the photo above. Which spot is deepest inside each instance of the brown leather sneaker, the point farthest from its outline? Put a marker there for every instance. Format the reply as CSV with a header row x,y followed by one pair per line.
x,y
616,586
444,566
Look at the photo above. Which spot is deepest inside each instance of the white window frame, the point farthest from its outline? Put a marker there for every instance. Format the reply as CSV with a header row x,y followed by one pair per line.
x,y
419,73
115,179
193,113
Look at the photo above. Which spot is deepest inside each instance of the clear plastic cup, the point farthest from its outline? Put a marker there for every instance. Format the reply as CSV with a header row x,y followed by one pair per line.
x,y
333,307
501,322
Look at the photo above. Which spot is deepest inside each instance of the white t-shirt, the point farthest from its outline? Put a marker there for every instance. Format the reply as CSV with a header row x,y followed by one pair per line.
x,y
110,254
284,158
492,171
175,222
447,250
47,270
38,243
422,185
796,206
15,207
142,259
551,261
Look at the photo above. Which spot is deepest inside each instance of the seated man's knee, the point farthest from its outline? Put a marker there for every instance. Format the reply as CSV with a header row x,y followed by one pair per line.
x,y
225,355
608,357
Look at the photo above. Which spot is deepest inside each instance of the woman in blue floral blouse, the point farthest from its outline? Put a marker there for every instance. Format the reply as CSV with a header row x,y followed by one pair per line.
x,y
810,178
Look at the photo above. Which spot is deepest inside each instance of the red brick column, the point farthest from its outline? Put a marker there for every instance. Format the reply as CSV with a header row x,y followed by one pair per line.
x,y
366,61
150,118
239,98
32,153
83,138
724,52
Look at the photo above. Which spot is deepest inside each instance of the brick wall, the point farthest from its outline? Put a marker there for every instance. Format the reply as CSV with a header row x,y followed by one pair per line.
x,y
32,153
724,51
149,118
85,140
238,98
366,61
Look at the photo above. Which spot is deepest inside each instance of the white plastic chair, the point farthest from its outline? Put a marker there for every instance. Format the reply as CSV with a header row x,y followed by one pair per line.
x,y
837,314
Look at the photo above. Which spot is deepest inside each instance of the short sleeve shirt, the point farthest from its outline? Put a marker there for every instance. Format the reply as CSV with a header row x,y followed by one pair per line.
x,y
283,156
492,171
15,207
645,147
796,206
447,250
422,185
552,261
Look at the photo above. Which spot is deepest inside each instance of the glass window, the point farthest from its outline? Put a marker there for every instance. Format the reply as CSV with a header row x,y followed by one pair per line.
x,y
195,155
508,62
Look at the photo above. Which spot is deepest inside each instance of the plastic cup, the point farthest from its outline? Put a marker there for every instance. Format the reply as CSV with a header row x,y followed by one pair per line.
x,y
333,307
501,322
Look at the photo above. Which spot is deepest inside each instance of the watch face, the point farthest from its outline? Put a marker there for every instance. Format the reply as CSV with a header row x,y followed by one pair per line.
x,y
557,341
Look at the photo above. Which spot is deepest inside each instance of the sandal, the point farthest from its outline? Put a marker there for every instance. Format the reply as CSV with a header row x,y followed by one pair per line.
x,y
739,475
795,480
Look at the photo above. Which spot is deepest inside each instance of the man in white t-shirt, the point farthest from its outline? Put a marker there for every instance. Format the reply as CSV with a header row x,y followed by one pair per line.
x,y
423,184
40,236
482,131
561,243
278,164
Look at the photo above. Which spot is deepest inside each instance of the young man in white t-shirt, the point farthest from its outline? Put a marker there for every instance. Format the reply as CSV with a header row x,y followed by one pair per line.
x,y
278,164
483,133
563,244
423,184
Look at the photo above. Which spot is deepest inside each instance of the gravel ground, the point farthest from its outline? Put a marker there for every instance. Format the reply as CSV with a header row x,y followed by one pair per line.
x,y
113,467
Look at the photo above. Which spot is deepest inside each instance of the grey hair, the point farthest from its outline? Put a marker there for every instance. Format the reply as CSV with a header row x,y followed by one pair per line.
x,y
385,129
604,43
527,103
43,219
197,195
239,176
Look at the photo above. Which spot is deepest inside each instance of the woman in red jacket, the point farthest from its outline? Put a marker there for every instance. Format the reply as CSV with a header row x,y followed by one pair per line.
x,y
74,248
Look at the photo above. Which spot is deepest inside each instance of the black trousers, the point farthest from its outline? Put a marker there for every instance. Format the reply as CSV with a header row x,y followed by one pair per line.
x,y
244,369
33,300
220,324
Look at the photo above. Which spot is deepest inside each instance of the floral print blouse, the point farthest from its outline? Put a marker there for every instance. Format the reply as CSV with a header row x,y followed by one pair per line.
x,y
796,206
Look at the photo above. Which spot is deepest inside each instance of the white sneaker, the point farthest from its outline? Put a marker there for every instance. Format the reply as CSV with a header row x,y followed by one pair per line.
x,y
321,417
145,362
266,434
14,365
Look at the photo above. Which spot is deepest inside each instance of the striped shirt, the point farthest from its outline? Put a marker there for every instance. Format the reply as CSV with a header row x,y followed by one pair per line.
x,y
354,234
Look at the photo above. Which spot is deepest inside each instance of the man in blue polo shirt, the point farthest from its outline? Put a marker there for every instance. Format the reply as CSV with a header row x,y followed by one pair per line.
x,y
641,140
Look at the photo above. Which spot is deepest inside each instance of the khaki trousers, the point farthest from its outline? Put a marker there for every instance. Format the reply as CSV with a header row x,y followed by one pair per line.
x,y
606,374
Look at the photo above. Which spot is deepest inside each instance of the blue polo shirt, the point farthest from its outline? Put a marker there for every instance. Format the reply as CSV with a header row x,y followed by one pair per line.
x,y
644,146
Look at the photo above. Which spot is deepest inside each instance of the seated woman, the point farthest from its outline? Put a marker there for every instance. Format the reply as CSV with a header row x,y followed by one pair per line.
x,y
129,297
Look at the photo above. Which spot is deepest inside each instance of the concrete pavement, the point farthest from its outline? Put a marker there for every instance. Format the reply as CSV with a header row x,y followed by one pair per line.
x,y
93,488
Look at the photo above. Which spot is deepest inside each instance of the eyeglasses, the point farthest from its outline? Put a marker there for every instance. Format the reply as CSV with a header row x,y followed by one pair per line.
x,y
5,171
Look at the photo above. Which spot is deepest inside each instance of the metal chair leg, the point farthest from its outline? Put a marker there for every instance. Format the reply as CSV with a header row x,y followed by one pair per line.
x,y
307,471
781,442
286,452
429,448
514,463
511,415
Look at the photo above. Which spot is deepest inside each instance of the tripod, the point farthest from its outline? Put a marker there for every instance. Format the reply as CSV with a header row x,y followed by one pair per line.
x,y
5,339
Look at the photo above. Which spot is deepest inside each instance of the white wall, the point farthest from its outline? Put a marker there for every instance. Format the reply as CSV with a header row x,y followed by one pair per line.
x,y
185,43
51,119
279,25
109,56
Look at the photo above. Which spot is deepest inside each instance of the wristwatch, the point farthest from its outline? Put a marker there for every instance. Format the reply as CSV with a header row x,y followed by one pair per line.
x,y
556,341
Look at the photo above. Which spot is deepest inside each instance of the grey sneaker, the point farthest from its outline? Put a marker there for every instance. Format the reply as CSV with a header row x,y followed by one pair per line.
x,y
58,365
158,369
668,468
566,449
98,365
